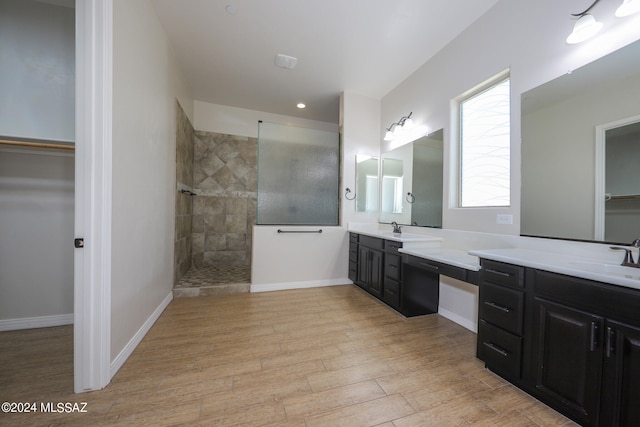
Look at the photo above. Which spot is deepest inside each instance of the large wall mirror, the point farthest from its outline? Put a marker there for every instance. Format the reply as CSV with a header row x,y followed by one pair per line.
x,y
411,183
580,152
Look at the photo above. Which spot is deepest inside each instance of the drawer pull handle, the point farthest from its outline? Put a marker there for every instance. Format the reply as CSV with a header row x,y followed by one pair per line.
x,y
497,349
499,273
610,341
431,266
498,307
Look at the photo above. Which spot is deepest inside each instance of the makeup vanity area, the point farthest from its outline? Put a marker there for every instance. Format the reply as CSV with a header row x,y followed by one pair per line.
x,y
557,315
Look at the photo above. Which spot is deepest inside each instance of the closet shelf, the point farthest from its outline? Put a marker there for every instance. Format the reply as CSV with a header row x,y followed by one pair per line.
x,y
37,144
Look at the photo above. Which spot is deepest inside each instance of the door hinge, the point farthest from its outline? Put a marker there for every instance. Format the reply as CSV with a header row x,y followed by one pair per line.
x,y
78,243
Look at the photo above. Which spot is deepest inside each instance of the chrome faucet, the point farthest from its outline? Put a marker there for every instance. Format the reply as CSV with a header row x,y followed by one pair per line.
x,y
396,227
628,256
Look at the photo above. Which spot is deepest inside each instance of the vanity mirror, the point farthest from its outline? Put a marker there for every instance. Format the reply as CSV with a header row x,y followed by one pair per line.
x,y
411,183
366,183
573,157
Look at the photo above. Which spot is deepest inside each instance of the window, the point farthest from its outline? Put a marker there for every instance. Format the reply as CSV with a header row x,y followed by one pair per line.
x,y
484,119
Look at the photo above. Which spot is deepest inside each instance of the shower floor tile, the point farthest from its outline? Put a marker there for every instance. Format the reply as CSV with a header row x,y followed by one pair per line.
x,y
198,277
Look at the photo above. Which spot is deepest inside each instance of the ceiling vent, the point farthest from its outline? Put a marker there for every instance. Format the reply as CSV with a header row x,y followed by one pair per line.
x,y
284,61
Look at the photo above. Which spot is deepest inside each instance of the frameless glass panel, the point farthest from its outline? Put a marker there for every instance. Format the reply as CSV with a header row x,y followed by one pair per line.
x,y
298,176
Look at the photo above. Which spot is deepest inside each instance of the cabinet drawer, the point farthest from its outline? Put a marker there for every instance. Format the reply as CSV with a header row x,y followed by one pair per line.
x,y
353,238
371,242
500,350
438,267
502,274
391,294
502,307
353,271
392,247
353,252
392,264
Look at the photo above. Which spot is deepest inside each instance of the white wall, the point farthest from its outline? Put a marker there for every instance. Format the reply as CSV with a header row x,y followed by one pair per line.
x,y
146,83
527,37
359,123
37,70
36,235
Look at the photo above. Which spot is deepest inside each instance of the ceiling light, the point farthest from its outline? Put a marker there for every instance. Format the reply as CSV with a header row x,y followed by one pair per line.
x,y
585,28
300,105
231,10
285,61
628,7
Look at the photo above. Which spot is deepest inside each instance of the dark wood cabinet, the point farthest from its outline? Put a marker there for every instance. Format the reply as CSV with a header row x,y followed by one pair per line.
x,y
567,359
379,268
570,342
370,270
621,403
501,318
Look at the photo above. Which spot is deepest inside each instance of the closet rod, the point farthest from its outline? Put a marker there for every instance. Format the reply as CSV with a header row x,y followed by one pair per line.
x,y
36,144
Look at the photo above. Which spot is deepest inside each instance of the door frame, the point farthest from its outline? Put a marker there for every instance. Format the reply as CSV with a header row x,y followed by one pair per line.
x,y
600,172
93,172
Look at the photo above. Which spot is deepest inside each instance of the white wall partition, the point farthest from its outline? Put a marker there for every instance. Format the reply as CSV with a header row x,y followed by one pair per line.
x,y
298,260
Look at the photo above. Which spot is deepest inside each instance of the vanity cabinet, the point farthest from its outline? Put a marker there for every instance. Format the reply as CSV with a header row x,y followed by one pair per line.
x,y
379,268
392,274
585,348
501,318
370,264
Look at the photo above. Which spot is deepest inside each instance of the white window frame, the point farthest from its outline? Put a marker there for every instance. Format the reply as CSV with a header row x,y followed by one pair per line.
x,y
455,199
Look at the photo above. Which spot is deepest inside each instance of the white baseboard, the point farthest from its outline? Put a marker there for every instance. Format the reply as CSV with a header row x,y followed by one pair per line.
x,y
122,357
36,322
462,321
268,287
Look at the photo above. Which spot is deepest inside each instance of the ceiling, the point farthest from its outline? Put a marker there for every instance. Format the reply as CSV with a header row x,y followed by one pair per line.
x,y
362,46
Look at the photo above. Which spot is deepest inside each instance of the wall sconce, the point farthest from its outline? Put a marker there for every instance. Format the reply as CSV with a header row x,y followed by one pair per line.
x,y
396,128
587,26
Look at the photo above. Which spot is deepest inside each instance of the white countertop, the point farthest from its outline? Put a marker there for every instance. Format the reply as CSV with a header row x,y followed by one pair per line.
x,y
398,237
456,257
592,269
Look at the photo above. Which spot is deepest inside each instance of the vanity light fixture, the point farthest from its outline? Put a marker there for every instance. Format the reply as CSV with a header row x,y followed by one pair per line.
x,y
628,7
395,128
587,26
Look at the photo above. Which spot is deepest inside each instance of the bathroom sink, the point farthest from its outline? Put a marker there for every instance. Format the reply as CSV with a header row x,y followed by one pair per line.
x,y
604,268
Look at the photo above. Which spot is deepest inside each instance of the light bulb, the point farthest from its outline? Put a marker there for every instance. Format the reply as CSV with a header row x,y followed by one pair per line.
x,y
628,7
585,28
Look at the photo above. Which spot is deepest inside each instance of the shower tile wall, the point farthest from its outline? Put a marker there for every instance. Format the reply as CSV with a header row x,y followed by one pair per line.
x,y
184,178
225,179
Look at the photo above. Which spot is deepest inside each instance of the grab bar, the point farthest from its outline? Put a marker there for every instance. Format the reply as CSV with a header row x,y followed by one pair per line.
x,y
299,231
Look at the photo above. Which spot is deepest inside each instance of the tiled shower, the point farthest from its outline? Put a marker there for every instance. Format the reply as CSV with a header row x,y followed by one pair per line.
x,y
215,210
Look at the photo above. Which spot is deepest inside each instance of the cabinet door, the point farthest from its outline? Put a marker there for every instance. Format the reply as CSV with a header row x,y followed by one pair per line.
x,y
376,271
568,359
621,397
363,267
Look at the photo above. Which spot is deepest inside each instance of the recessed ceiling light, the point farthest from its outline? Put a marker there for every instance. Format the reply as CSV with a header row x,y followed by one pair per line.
x,y
300,105
231,10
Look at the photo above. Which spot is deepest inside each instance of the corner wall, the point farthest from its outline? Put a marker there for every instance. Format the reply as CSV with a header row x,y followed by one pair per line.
x,y
146,83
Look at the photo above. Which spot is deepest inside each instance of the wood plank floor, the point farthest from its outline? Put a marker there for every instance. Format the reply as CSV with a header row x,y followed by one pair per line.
x,y
329,356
